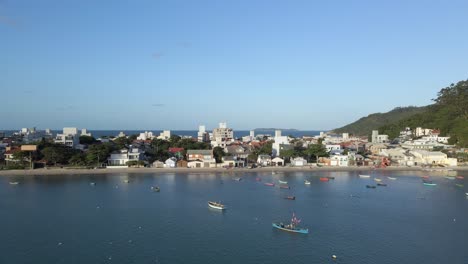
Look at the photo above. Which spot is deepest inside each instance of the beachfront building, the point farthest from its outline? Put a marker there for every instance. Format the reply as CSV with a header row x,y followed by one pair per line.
x,y
424,157
228,162
339,160
278,141
200,158
70,137
264,160
157,164
170,163
298,162
121,157
332,148
277,162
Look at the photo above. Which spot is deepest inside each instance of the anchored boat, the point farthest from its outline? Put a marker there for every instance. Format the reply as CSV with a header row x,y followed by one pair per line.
x,y
381,184
292,227
364,176
216,205
269,184
377,180
370,186
14,183
429,183
306,182
391,178
290,197
155,188
324,179
284,187
283,182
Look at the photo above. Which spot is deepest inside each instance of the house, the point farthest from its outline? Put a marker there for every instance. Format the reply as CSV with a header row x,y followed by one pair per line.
x,y
228,161
264,160
182,164
423,157
278,141
239,154
170,163
339,160
158,164
120,158
70,137
203,155
298,162
332,147
195,164
277,162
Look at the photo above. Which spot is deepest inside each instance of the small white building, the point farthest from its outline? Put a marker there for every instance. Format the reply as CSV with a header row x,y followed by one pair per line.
x,y
158,164
339,160
120,158
277,162
170,163
264,160
70,137
298,162
332,147
147,135
279,140
165,135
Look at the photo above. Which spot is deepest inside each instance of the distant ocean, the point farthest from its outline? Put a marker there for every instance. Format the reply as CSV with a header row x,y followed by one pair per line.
x,y
192,133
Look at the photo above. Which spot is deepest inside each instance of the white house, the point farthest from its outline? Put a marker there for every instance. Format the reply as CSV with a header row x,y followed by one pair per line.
x,y
377,138
332,147
158,164
165,135
264,160
144,136
423,157
120,158
298,162
170,163
339,160
277,162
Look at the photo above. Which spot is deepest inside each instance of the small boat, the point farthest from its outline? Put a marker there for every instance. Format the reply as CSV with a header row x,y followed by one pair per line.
x,y
330,177
429,183
459,185
460,177
364,176
92,183
269,184
216,205
425,177
381,184
126,181
290,197
466,194
238,179
283,182
450,177
391,178
306,182
273,172
14,183
377,180
284,187
370,186
324,179
155,188
292,227
258,179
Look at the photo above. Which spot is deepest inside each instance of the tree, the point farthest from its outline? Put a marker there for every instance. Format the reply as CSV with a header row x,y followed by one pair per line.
x,y
21,156
218,153
87,140
78,159
287,154
266,149
56,154
317,150
98,153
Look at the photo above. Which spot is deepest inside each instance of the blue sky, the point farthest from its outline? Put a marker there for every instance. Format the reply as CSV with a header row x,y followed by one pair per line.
x,y
177,64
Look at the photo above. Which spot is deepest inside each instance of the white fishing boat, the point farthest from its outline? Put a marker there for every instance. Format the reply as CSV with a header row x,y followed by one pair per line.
x,y
14,183
306,182
364,176
391,178
377,180
217,206
283,182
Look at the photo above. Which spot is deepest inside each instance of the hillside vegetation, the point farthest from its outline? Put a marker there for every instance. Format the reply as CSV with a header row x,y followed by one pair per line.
x,y
365,125
449,113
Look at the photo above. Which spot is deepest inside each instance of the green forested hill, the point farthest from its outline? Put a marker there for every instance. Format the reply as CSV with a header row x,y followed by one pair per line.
x,y
449,114
365,125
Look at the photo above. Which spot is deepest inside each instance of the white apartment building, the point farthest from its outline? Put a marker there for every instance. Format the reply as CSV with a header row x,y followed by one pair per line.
x,y
222,136
376,138
70,137
123,156
278,141
147,135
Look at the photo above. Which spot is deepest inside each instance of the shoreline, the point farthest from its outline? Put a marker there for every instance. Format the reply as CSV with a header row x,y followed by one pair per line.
x,y
64,171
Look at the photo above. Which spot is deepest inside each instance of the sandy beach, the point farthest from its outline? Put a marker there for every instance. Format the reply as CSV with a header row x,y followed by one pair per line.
x,y
65,171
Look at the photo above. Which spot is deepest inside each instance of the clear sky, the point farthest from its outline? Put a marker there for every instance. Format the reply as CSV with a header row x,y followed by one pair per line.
x,y
311,65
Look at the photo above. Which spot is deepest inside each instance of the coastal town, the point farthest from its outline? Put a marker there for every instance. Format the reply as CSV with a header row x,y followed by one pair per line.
x,y
34,149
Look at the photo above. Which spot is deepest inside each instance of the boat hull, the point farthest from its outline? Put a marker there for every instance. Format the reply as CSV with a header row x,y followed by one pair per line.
x,y
430,184
364,176
216,207
299,230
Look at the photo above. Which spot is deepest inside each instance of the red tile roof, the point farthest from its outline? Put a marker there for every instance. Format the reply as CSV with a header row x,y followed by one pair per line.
x,y
175,150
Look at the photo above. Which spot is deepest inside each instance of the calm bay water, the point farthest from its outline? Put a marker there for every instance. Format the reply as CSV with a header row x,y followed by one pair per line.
x,y
63,219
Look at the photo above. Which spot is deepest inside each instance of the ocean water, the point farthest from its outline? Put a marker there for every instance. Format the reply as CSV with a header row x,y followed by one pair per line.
x,y
64,219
